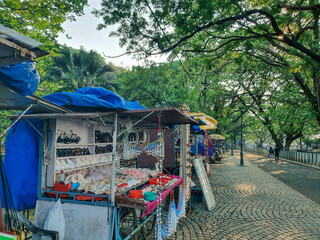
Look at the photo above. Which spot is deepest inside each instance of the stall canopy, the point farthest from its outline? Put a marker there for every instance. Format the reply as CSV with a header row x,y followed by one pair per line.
x,y
217,137
17,48
92,99
208,121
168,116
22,141
11,100
17,56
18,76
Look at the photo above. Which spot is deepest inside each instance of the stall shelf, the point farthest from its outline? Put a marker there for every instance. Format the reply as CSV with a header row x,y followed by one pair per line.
x,y
85,126
99,216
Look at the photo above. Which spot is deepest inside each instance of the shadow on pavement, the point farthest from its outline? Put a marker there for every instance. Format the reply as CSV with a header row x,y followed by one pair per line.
x,y
305,180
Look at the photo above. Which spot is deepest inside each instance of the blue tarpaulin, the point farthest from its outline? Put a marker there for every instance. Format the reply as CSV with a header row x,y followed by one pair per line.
x,y
22,77
21,164
93,97
22,141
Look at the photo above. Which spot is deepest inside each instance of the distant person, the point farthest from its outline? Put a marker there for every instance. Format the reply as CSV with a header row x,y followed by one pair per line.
x,y
276,154
271,153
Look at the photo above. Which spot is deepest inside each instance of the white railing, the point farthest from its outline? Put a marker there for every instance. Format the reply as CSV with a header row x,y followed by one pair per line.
x,y
305,158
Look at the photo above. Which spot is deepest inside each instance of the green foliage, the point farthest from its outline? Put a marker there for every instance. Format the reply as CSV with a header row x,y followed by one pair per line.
x,y
5,121
72,69
41,20
154,86
269,101
225,32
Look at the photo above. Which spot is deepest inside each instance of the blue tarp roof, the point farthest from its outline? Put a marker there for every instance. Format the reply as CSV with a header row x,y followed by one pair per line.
x,y
93,97
22,141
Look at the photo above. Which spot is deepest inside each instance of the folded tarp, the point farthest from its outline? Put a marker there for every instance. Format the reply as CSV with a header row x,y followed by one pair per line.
x,y
21,77
93,97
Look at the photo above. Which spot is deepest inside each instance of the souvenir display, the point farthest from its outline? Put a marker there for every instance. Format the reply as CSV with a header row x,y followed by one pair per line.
x,y
103,137
68,138
72,174
86,168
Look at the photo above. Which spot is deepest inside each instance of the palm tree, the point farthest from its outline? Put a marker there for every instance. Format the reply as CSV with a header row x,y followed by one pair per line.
x,y
77,68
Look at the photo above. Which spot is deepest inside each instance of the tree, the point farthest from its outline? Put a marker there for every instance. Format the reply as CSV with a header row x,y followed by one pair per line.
x,y
256,131
73,69
274,100
155,85
38,19
287,33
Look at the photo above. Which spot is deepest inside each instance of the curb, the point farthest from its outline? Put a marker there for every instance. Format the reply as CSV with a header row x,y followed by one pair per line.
x,y
303,164
286,160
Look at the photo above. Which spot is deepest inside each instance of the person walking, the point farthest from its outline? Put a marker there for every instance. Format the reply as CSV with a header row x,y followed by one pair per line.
x,y
271,153
276,154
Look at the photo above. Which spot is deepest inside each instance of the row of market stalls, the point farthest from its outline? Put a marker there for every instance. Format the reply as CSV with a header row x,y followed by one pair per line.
x,y
93,165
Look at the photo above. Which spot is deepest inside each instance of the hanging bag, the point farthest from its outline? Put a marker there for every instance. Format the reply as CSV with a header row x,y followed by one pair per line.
x,y
55,221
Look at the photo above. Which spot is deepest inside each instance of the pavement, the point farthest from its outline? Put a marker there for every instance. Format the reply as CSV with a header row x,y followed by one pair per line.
x,y
304,179
251,204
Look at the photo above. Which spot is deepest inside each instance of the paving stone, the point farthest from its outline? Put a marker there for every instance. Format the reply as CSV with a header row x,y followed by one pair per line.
x,y
251,204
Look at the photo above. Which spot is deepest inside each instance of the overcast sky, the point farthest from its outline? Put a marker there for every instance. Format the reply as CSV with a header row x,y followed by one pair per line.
x,y
83,32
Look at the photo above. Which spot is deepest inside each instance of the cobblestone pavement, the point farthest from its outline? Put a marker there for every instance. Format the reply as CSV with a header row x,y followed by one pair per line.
x,y
251,204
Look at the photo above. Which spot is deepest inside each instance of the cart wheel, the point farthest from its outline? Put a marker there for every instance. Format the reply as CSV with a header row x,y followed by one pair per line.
x,y
128,222
147,230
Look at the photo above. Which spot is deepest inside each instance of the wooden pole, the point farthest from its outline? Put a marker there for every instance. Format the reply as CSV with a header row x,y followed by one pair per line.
x,y
2,226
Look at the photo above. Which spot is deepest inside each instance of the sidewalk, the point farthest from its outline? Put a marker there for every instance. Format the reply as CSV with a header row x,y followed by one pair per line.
x,y
251,204
304,179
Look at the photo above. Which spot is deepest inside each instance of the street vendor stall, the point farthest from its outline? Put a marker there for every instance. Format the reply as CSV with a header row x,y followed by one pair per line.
x,y
200,151
217,137
80,164
191,147
219,146
201,143
65,152
18,81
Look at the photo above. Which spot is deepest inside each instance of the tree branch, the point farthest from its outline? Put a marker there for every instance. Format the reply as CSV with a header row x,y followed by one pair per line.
x,y
282,37
299,8
225,20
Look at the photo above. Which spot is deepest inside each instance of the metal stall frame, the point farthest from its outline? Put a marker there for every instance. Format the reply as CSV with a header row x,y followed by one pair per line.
x,y
137,114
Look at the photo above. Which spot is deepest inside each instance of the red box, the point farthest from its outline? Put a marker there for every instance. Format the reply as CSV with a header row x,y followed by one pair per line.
x,y
162,181
59,187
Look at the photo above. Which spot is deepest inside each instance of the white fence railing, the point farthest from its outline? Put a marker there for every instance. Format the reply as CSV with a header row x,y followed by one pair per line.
x,y
311,159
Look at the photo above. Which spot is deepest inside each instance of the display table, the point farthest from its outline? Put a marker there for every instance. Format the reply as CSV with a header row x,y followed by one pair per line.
x,y
125,201
152,205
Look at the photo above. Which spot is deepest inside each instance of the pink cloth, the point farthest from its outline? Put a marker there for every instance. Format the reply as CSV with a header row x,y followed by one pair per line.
x,y
152,205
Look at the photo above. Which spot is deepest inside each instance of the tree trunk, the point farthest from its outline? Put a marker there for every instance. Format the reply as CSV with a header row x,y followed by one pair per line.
x,y
290,138
260,143
281,139
274,136
288,144
278,143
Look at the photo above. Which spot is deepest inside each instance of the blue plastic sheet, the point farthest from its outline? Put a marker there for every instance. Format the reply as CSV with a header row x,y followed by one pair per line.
x,y
22,77
93,97
22,141
103,94
21,164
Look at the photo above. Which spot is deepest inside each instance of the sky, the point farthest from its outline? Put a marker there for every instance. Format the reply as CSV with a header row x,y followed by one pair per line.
x,y
83,32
